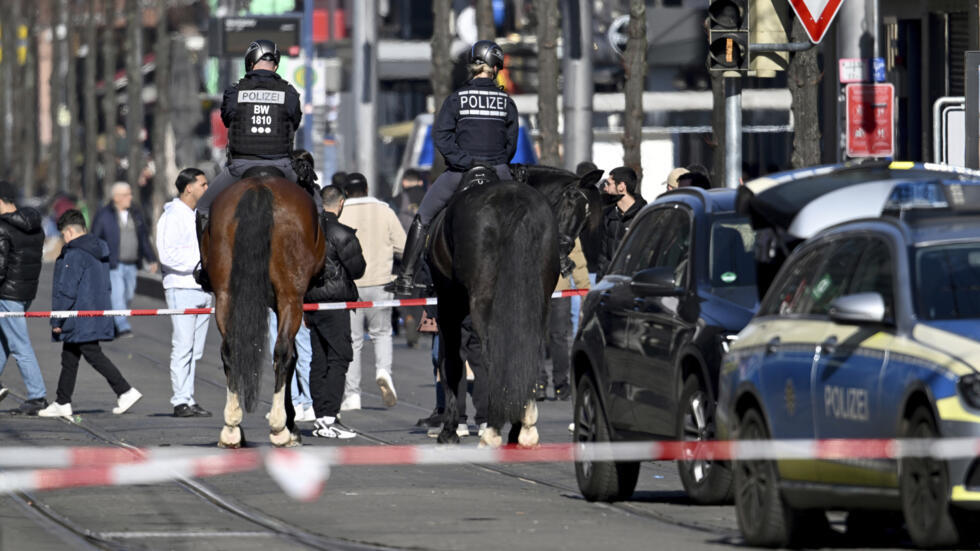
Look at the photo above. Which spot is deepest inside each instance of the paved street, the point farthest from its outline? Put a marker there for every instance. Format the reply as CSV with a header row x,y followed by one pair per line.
x,y
461,507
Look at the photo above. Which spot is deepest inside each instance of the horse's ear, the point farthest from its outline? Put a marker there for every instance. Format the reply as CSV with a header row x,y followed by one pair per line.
x,y
590,179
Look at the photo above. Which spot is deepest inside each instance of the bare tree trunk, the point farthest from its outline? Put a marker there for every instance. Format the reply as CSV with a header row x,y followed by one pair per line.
x,y
485,28
110,106
58,157
90,183
161,115
74,139
8,61
718,127
547,34
636,65
804,78
442,67
31,118
134,85
19,111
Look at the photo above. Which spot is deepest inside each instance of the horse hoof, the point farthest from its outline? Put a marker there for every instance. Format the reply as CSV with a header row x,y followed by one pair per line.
x,y
491,439
231,438
528,437
295,439
448,437
282,439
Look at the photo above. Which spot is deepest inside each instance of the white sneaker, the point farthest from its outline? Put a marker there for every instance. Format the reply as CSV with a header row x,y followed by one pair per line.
x,y
483,427
462,430
126,401
324,429
56,410
388,394
304,415
350,403
571,427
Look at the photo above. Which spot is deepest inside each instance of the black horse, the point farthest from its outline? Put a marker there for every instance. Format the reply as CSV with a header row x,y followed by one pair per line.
x,y
494,256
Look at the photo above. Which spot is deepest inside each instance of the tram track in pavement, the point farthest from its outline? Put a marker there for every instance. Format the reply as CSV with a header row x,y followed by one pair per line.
x,y
634,509
81,537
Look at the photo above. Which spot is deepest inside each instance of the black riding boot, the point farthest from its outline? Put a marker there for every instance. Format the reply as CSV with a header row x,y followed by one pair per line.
x,y
404,284
565,246
201,276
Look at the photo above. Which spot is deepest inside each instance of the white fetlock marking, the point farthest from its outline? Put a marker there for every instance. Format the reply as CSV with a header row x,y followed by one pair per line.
x,y
528,438
530,414
491,438
233,410
277,415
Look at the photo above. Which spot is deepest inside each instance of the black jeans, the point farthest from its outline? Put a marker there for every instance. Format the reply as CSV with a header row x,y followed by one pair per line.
x,y
71,352
332,354
559,343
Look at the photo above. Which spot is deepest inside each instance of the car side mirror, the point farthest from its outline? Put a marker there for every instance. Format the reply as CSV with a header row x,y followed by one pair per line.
x,y
655,282
858,308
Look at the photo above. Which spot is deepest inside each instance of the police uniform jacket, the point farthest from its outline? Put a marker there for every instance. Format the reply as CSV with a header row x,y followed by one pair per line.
x,y
21,241
477,123
262,113
344,262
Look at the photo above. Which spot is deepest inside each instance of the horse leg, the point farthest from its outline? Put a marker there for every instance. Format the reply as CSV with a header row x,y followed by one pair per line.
x,y
528,437
282,430
231,434
451,368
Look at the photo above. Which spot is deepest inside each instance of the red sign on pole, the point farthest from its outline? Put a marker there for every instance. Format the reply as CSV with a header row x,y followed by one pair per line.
x,y
816,16
870,122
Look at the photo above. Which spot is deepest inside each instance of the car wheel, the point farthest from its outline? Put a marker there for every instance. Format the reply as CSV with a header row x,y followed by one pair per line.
x,y
763,517
599,480
704,481
924,484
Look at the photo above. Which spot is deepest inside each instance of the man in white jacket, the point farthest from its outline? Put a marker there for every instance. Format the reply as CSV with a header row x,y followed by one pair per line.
x,y
381,236
179,255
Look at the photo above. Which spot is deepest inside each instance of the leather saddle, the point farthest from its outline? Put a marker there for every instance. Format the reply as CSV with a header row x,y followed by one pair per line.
x,y
477,176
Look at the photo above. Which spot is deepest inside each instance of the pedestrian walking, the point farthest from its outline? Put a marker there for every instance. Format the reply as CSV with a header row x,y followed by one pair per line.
x,y
381,237
81,282
560,332
122,227
406,205
21,243
179,255
330,330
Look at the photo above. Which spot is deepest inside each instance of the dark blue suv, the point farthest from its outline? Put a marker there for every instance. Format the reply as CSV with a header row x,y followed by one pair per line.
x,y
653,333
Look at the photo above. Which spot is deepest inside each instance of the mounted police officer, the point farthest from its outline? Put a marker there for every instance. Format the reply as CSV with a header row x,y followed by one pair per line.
x,y
262,112
477,125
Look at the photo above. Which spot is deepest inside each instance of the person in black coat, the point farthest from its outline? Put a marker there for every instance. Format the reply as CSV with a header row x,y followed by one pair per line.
x,y
621,186
81,282
330,329
21,241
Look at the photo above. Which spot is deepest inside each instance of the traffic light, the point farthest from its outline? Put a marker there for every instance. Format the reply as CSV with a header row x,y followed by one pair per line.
x,y
728,35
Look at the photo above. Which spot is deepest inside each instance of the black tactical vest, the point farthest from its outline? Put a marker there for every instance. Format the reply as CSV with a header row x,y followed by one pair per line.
x,y
261,125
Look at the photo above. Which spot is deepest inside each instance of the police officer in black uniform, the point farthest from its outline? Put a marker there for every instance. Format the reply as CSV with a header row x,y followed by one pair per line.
x,y
477,124
262,113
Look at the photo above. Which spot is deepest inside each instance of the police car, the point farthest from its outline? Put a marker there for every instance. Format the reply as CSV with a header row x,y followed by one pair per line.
x,y
871,329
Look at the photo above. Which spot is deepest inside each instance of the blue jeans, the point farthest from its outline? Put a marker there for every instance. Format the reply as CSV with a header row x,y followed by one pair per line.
x,y
122,278
300,384
187,342
16,342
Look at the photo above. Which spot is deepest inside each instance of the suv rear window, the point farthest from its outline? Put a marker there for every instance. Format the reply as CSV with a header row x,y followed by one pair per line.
x,y
947,281
732,261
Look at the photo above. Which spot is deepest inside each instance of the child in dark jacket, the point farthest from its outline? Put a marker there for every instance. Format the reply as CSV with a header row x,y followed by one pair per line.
x,y
81,282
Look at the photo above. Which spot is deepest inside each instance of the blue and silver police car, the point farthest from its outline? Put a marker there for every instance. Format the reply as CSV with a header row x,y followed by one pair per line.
x,y
871,329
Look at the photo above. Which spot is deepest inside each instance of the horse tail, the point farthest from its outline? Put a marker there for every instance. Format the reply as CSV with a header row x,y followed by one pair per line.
x,y
516,329
251,293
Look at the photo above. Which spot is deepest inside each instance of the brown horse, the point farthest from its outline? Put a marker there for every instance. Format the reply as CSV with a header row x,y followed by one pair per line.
x,y
262,247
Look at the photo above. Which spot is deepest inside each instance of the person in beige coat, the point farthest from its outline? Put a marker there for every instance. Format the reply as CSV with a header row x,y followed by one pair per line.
x,y
381,236
560,331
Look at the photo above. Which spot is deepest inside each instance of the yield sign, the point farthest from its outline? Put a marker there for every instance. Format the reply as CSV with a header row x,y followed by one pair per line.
x,y
816,16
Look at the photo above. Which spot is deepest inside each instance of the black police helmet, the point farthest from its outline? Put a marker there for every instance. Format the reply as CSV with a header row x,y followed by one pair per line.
x,y
261,49
485,51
